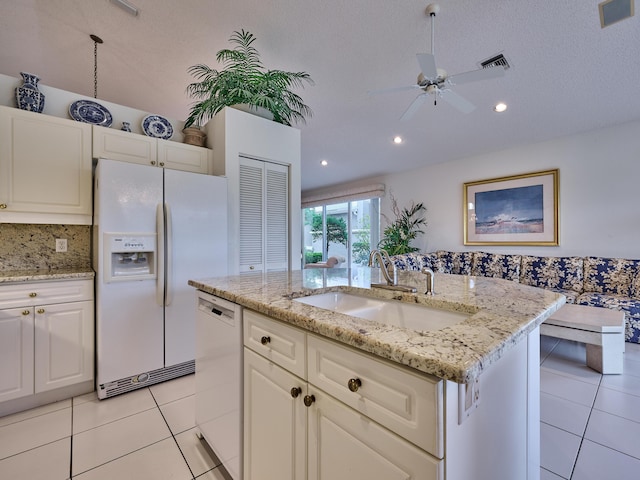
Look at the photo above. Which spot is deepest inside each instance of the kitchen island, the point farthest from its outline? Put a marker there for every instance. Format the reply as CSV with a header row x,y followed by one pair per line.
x,y
480,375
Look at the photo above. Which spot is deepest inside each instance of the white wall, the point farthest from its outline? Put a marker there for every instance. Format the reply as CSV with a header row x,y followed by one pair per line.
x,y
599,210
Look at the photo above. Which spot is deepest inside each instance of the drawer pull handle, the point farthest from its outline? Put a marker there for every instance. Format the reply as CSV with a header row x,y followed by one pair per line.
x,y
354,384
264,340
295,391
162,164
3,206
153,162
308,400
40,310
26,312
33,294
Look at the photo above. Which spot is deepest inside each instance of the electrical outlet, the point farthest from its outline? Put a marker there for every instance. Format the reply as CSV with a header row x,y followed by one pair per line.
x,y
61,244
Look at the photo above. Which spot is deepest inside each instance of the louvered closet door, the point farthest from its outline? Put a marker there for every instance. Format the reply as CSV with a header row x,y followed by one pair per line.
x,y
264,216
277,217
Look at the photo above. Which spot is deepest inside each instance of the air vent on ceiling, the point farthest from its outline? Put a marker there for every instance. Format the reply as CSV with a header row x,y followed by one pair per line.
x,y
496,61
613,11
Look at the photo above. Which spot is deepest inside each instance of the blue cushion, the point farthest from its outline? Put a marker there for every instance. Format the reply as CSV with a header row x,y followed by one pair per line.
x,y
458,263
564,273
496,265
612,276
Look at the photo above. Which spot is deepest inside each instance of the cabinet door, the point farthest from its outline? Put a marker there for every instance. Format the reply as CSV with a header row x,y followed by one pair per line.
x,y
274,422
345,445
264,216
181,156
16,353
63,345
124,146
45,168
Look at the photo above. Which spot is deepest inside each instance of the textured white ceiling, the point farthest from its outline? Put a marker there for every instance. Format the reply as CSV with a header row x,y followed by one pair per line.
x,y
568,75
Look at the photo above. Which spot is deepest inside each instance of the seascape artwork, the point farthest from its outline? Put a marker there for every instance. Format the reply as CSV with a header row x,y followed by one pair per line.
x,y
513,210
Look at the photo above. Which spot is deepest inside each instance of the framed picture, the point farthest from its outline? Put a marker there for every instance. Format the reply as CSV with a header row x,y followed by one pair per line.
x,y
516,210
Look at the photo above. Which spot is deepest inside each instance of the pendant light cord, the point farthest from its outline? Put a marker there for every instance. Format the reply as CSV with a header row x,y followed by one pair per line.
x,y
96,41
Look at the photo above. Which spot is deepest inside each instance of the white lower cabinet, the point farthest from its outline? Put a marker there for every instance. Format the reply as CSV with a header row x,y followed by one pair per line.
x,y
46,336
63,345
293,429
16,353
273,417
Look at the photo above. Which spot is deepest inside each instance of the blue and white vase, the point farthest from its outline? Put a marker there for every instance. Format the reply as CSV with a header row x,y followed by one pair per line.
x,y
28,95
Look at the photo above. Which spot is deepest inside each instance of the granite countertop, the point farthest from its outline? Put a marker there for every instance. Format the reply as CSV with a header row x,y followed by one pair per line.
x,y
502,313
13,276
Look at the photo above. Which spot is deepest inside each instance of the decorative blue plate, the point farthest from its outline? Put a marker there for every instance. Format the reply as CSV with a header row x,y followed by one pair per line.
x,y
157,127
90,112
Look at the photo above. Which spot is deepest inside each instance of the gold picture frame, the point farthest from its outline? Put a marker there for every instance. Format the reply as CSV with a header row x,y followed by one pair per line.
x,y
513,210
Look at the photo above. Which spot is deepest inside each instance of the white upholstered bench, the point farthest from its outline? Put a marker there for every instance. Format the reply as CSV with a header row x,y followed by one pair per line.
x,y
601,329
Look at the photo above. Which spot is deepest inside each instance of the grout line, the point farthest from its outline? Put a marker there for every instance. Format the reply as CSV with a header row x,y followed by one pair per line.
x,y
172,434
71,444
575,462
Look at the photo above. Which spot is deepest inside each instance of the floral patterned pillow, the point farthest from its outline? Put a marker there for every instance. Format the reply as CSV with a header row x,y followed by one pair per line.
x,y
458,263
497,266
564,273
613,276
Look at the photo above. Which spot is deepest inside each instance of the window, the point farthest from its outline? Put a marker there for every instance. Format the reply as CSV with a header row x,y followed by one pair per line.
x,y
347,231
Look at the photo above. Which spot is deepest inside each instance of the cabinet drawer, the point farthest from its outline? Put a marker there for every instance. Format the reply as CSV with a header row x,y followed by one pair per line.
x,y
280,343
42,293
407,403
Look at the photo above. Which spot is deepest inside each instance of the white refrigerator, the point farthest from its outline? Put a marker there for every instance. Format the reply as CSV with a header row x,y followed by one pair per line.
x,y
154,229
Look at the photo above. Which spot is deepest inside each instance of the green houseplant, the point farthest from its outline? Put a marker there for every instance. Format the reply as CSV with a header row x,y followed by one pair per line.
x,y
397,236
244,80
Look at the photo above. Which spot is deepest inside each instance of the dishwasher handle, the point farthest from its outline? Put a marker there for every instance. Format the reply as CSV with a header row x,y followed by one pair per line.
x,y
212,310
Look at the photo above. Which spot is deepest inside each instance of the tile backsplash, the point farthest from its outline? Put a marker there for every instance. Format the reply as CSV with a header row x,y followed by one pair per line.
x,y
33,247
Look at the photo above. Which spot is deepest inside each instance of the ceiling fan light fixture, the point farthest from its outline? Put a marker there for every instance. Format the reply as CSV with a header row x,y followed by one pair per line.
x,y
500,107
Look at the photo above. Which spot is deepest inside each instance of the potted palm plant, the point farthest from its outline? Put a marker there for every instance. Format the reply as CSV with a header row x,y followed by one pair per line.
x,y
397,236
244,80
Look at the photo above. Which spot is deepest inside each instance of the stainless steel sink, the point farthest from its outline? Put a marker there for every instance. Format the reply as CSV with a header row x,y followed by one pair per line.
x,y
389,312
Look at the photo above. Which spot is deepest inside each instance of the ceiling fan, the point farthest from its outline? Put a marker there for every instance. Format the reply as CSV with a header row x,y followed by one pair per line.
x,y
435,81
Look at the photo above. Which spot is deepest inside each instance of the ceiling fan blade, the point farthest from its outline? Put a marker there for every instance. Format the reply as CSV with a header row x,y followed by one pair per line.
x,y
456,101
427,64
475,75
392,89
413,108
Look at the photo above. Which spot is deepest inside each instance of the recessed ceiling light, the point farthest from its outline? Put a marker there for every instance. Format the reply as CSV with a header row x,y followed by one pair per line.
x,y
324,163
397,139
500,107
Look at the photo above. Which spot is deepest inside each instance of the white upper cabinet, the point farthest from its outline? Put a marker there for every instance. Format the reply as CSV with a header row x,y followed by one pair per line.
x,y
45,169
134,148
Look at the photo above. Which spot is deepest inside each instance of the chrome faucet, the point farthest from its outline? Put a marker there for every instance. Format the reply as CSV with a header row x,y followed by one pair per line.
x,y
392,280
429,273
381,256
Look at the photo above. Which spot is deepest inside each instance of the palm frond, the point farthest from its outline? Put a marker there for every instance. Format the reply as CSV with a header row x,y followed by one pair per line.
x,y
245,80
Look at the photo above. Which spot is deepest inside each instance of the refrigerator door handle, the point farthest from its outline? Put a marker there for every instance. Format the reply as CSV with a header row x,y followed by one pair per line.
x,y
169,257
160,254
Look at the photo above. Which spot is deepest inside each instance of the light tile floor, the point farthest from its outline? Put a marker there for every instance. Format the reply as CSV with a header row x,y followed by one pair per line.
x,y
145,434
590,428
590,423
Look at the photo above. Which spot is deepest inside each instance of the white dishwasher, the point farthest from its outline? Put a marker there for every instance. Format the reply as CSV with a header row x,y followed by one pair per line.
x,y
219,379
